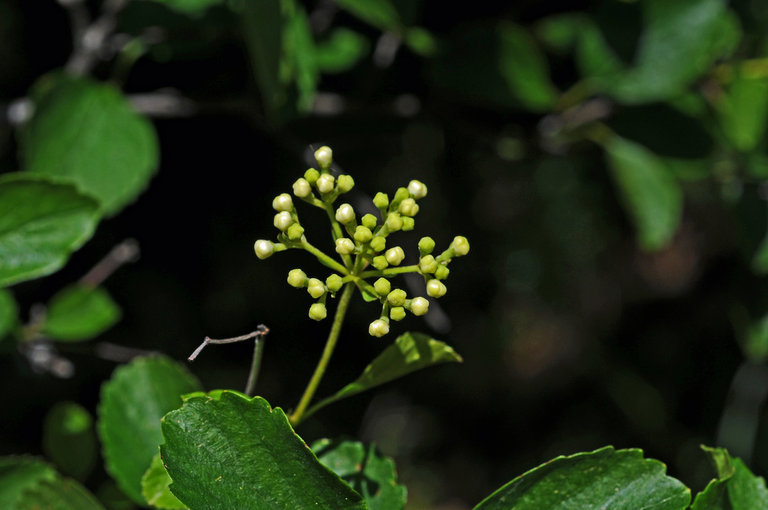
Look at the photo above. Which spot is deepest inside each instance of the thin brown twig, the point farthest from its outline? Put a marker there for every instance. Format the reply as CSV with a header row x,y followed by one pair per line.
x,y
125,252
261,330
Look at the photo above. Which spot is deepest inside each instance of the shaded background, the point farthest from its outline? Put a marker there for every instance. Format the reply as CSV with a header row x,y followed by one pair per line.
x,y
582,322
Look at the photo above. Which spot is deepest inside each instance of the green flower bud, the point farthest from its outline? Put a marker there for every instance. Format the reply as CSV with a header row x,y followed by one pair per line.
x,y
378,243
324,156
325,183
394,222
417,189
345,214
442,272
315,288
363,234
317,312
311,175
397,297
334,283
401,194
419,306
408,207
378,328
381,200
282,202
460,246
344,246
397,313
427,264
408,224
380,262
369,221
263,248
436,288
297,278
395,256
382,286
283,220
345,183
302,188
295,232
426,245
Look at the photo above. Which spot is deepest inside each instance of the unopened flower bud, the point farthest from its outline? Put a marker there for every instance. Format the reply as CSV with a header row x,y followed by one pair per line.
x,y
378,328
401,194
397,297
426,245
302,188
369,220
345,183
283,220
345,214
397,313
408,207
263,248
318,312
380,262
382,286
324,156
311,175
442,272
325,183
282,202
436,288
408,224
418,189
460,246
345,245
394,222
297,278
295,232
427,264
363,234
419,306
381,200
334,283
378,243
395,256
315,288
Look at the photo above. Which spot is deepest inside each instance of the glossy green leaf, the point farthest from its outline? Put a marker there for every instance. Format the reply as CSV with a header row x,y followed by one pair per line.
x,y
17,474
365,470
41,224
382,14
409,352
58,494
192,7
735,487
235,452
650,193
154,486
605,478
340,51
69,440
9,312
744,110
132,403
80,313
87,133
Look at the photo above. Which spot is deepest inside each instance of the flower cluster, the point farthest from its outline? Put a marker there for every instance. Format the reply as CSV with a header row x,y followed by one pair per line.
x,y
363,245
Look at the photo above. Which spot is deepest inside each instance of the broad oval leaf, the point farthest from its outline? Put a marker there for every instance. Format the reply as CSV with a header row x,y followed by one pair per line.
x,y
605,478
41,224
58,494
154,486
132,403
78,312
17,474
69,440
88,133
365,470
9,312
408,353
235,452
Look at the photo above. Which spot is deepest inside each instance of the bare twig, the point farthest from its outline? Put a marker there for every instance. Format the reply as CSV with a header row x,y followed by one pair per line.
x,y
261,330
126,251
91,40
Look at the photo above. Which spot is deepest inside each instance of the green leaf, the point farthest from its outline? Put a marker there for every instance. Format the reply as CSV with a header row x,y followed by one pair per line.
x,y
17,474
648,189
88,133
9,312
80,313
154,486
743,111
421,41
735,487
365,470
561,31
191,7
41,223
409,352
59,494
382,14
235,452
69,440
605,478
263,30
132,404
340,51
298,63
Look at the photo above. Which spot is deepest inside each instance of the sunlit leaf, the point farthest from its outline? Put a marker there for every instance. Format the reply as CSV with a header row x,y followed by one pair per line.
x,y
69,440
154,486
80,313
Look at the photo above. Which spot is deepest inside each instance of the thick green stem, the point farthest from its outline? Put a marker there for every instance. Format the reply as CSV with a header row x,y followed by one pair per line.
x,y
390,271
338,319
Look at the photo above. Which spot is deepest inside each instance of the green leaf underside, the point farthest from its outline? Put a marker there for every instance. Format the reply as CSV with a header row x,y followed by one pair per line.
x,y
132,403
605,478
80,313
650,193
735,487
365,470
69,440
17,474
59,494
9,312
41,224
87,132
408,353
235,452
154,486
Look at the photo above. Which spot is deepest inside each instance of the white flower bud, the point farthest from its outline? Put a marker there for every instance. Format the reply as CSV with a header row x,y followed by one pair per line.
x,y
408,207
324,156
325,183
460,246
394,256
419,306
378,328
301,188
345,214
315,288
345,246
283,220
436,288
263,248
282,202
418,189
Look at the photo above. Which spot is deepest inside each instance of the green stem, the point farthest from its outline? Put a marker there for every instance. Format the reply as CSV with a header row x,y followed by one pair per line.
x,y
390,271
253,375
323,258
338,319
337,232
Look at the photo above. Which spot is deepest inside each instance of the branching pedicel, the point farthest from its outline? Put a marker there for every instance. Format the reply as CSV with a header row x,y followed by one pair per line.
x,y
363,254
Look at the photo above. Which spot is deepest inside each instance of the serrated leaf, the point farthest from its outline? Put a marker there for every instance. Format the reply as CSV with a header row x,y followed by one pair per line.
x,y
69,440
58,494
87,133
17,474
365,470
382,14
217,447
41,224
408,353
132,403
9,312
604,478
340,51
650,193
154,486
735,487
80,313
